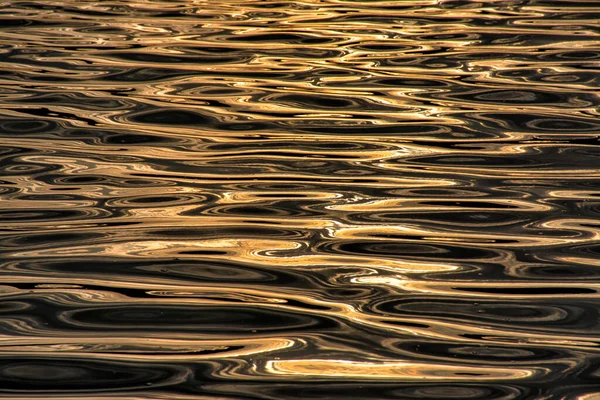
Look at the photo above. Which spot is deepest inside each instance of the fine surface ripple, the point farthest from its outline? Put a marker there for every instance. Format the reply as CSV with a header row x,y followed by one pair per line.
x,y
319,199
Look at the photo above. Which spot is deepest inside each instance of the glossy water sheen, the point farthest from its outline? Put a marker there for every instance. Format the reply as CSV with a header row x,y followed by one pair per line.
x,y
319,199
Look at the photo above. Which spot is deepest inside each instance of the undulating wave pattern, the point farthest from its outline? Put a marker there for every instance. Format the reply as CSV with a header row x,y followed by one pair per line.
x,y
318,199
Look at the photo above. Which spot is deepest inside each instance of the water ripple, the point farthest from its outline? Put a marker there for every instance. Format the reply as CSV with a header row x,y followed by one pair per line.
x,y
299,200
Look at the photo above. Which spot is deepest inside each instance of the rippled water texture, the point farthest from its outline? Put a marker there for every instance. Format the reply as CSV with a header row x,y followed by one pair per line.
x,y
318,199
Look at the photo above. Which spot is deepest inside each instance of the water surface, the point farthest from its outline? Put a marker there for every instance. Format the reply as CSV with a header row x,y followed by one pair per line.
x,y
319,199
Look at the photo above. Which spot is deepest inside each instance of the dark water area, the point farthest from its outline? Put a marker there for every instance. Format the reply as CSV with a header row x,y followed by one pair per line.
x,y
319,199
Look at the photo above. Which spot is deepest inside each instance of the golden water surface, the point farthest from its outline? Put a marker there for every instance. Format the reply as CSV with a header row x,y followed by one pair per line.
x,y
317,199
